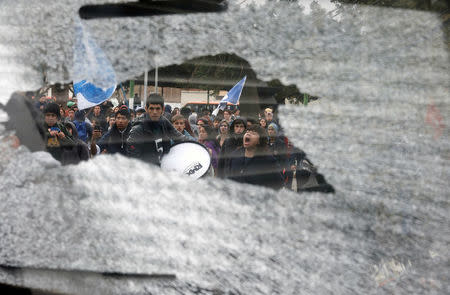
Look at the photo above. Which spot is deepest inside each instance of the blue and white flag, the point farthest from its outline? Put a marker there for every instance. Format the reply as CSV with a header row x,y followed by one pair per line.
x,y
94,79
231,97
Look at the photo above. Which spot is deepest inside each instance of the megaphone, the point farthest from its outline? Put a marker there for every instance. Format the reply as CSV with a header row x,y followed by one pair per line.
x,y
188,158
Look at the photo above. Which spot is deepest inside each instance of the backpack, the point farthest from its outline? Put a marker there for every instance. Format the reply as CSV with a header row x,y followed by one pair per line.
x,y
82,130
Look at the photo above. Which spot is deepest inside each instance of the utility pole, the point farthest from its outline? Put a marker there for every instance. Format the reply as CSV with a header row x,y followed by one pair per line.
x,y
131,99
144,100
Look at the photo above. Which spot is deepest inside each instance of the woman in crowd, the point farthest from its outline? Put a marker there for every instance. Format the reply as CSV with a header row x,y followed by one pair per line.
x,y
263,123
202,122
188,128
62,113
224,132
277,146
216,123
207,138
176,111
252,163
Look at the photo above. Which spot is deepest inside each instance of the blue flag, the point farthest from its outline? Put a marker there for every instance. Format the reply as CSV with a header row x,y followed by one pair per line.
x,y
231,97
94,77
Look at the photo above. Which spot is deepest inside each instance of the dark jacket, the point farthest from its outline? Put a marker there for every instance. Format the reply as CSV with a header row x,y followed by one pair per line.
x,y
115,141
229,146
279,151
259,170
100,119
149,140
79,151
57,146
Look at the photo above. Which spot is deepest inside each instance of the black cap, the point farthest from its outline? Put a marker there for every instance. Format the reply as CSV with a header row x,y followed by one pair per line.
x,y
124,112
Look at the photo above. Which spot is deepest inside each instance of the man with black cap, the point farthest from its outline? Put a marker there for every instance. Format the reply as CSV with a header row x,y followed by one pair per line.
x,y
151,135
56,137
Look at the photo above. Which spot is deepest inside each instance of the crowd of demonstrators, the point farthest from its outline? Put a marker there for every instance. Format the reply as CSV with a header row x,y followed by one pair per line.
x,y
248,150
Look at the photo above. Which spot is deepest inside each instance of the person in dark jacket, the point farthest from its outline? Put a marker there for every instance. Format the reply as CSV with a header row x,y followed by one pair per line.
x,y
277,145
151,136
253,164
115,140
167,112
234,141
79,152
97,115
56,137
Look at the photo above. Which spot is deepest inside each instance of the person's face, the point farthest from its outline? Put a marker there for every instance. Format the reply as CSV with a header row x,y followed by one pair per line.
x,y
116,109
239,128
227,116
154,112
223,128
50,119
251,139
179,125
262,122
97,133
271,131
121,122
201,123
61,111
216,124
112,121
202,134
96,110
237,113
71,115
269,116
